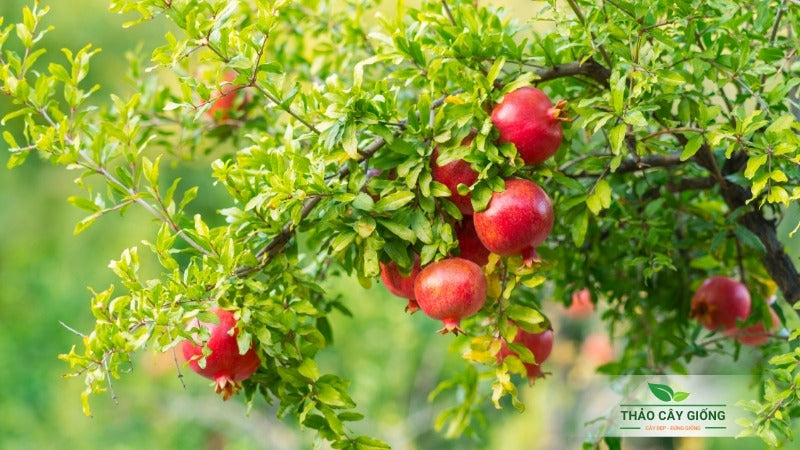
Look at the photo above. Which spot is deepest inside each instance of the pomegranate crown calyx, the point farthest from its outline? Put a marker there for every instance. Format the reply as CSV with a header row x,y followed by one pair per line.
x,y
557,112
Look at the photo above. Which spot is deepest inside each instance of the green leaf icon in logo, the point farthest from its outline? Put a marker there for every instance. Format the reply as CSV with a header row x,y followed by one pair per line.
x,y
661,391
665,393
680,396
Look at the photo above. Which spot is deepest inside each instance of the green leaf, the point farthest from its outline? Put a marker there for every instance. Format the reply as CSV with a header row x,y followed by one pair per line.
x,y
692,146
365,226
402,231
613,442
680,396
367,443
341,241
749,239
661,391
753,164
329,395
601,198
83,203
393,202
526,318
616,137
350,416
309,369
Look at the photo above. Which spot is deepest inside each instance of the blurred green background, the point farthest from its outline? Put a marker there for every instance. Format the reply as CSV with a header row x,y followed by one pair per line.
x,y
393,360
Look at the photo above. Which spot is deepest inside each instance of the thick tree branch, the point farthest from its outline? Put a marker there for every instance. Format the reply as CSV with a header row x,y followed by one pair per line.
x,y
589,68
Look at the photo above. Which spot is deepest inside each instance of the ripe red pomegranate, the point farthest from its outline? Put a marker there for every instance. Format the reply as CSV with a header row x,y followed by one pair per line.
x,y
540,344
755,335
516,220
454,173
223,101
582,306
225,365
527,119
450,290
399,285
469,245
719,302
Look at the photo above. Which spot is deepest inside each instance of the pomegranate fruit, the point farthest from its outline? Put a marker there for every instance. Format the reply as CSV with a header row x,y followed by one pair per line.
x,y
597,349
225,365
454,173
399,285
469,245
755,335
540,344
719,301
516,220
450,290
527,119
581,306
224,100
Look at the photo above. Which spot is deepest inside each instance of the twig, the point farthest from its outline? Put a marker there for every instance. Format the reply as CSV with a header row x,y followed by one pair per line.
x,y
448,13
72,329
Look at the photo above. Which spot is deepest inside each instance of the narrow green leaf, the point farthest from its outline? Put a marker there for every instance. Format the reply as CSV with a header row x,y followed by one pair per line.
x,y
749,239
692,146
393,202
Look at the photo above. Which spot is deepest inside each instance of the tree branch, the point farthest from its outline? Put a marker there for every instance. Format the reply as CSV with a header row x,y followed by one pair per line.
x,y
637,164
589,68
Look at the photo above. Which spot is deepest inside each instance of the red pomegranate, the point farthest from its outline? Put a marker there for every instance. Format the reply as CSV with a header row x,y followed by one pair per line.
x,y
527,119
719,302
399,285
540,344
469,245
224,100
225,365
450,290
517,220
755,335
581,306
597,349
454,173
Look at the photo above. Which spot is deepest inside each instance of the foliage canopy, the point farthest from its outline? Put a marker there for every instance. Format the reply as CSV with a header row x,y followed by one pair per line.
x,y
681,160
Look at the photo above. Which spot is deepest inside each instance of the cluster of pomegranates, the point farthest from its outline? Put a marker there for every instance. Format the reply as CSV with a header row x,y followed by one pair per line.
x,y
721,302
515,222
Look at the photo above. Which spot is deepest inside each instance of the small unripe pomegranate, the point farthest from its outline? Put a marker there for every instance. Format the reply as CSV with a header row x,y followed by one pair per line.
x,y
755,335
719,301
454,173
450,290
527,119
225,365
540,344
581,306
469,245
516,220
399,285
